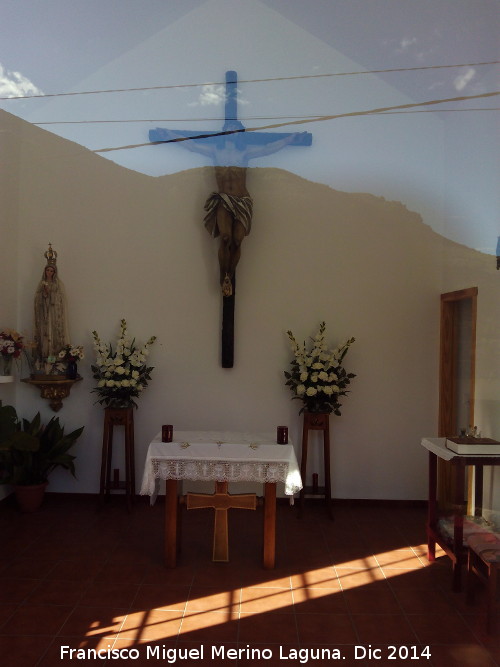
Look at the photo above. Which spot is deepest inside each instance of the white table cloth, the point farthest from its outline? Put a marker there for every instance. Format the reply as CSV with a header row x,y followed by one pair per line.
x,y
220,456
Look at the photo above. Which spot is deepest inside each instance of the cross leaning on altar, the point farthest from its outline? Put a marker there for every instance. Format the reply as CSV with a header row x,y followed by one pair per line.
x,y
221,501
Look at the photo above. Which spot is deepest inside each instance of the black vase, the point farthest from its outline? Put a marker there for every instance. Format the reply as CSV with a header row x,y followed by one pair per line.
x,y
71,370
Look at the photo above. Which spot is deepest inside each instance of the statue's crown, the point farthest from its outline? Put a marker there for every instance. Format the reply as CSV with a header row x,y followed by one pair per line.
x,y
50,255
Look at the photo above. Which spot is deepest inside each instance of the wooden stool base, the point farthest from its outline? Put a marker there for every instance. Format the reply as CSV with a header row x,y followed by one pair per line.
x,y
118,417
316,422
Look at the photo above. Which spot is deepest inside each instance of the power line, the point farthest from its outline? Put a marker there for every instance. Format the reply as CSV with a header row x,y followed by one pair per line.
x,y
263,80
302,121
246,118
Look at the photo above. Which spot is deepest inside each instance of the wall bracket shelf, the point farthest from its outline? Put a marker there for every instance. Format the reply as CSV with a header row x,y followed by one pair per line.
x,y
53,389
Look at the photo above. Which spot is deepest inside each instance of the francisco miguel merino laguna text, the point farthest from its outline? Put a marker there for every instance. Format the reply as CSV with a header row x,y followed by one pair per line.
x,y
303,655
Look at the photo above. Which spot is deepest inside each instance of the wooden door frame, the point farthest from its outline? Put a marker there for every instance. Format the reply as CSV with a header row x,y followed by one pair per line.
x,y
447,359
449,332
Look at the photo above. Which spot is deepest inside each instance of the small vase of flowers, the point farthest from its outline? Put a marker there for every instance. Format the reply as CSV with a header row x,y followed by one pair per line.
x,y
71,355
11,346
317,376
122,373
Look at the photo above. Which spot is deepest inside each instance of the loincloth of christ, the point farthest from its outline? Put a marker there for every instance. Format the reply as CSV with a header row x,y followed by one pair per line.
x,y
241,208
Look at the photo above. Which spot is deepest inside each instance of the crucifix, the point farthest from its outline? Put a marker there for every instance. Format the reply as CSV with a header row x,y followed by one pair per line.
x,y
229,210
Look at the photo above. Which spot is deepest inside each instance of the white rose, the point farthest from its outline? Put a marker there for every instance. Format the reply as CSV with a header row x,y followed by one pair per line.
x,y
311,391
300,390
328,390
323,376
110,383
303,376
120,370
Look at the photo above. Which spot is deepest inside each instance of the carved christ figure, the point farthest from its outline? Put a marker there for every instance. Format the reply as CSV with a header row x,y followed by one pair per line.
x,y
229,210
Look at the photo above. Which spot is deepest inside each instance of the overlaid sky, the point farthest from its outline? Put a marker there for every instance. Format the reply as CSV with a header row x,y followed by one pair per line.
x,y
400,97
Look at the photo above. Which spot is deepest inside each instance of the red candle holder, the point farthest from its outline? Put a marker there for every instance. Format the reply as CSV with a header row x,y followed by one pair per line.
x,y
282,435
167,433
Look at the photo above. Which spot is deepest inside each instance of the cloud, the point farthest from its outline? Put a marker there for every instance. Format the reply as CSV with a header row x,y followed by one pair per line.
x,y
15,84
406,42
464,78
211,94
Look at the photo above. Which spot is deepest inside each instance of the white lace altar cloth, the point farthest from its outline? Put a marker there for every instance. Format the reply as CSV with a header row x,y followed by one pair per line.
x,y
220,457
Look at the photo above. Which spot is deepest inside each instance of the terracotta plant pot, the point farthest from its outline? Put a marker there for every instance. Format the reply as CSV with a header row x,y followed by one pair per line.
x,y
29,498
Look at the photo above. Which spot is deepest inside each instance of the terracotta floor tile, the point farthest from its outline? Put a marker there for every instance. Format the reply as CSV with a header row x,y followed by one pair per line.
x,y
354,561
23,651
129,573
92,621
78,569
263,599
383,629
326,629
321,577
56,592
422,600
212,627
16,590
107,593
376,599
357,578
319,600
36,620
28,567
160,596
269,627
449,628
6,611
151,625
213,599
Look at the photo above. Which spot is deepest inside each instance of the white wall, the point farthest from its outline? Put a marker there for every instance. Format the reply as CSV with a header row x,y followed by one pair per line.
x,y
134,246
8,247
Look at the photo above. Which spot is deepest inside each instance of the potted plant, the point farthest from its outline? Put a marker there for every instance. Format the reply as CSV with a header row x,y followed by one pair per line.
x,y
30,451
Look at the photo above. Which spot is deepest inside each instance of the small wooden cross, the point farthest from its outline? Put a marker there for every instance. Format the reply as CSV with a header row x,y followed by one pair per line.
x,y
221,501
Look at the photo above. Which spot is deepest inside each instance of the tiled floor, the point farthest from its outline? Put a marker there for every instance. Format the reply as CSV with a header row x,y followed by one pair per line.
x,y
77,577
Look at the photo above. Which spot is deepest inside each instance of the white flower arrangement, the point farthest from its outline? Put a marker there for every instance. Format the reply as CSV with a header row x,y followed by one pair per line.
x,y
317,376
121,374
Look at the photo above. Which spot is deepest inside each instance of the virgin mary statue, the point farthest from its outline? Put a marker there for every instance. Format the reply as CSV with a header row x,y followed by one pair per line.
x,y
51,330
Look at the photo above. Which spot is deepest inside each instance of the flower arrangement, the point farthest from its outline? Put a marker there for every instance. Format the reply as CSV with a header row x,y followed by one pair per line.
x,y
317,376
122,373
11,346
71,353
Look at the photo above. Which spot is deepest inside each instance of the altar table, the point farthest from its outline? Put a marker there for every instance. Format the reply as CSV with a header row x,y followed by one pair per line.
x,y
221,457
455,551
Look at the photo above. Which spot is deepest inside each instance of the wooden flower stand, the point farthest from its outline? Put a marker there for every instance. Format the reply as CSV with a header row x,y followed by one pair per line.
x,y
316,422
118,417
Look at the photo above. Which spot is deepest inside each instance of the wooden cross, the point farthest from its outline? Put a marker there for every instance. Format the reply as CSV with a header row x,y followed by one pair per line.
x,y
248,145
221,501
